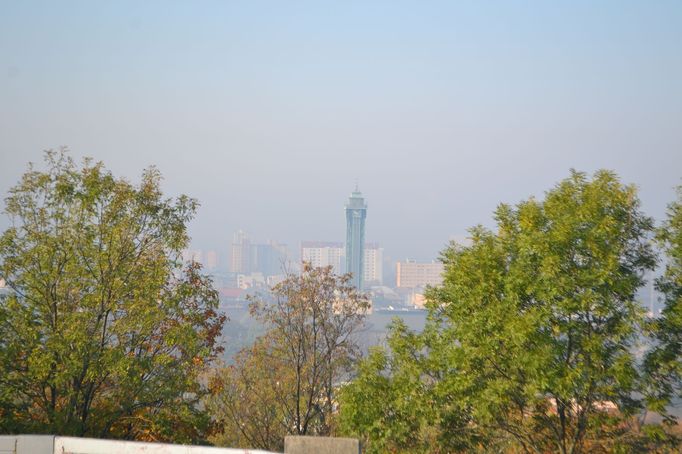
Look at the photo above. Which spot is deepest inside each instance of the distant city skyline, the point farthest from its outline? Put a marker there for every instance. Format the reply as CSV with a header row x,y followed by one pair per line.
x,y
333,253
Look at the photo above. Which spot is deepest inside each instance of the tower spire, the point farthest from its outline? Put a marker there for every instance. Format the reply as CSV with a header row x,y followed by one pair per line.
x,y
356,212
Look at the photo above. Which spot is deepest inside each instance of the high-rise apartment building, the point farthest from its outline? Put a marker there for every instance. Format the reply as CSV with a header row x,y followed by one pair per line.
x,y
331,253
374,265
269,258
192,255
211,260
356,212
411,274
240,255
323,253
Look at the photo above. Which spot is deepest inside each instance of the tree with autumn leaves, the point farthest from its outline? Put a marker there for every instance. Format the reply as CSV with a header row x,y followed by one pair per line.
x,y
104,333
286,382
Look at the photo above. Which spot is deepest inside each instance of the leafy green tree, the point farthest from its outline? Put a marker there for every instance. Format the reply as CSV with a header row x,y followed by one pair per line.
x,y
104,334
530,341
393,404
664,362
291,373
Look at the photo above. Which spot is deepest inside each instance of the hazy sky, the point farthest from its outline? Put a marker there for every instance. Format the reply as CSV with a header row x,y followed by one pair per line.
x,y
269,111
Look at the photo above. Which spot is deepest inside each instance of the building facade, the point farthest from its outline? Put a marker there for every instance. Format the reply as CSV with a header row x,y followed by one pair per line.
x,y
269,258
192,255
324,253
374,265
211,260
240,255
410,274
331,253
356,213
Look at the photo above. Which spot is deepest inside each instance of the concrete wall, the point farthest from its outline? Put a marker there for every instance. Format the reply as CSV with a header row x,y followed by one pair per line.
x,y
20,444
50,444
315,445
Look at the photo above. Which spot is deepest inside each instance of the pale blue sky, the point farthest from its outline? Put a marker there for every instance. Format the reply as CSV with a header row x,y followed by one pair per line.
x,y
268,111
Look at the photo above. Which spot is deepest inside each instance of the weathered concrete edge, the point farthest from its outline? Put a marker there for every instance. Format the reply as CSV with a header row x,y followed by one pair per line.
x,y
295,444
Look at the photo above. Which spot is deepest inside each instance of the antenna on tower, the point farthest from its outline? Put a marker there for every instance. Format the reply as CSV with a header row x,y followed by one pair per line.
x,y
356,186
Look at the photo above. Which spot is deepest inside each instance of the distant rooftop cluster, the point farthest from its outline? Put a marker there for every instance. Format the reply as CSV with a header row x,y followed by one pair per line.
x,y
254,266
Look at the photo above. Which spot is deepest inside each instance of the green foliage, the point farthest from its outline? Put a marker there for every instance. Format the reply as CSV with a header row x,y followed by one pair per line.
x,y
530,341
395,405
664,363
286,382
104,334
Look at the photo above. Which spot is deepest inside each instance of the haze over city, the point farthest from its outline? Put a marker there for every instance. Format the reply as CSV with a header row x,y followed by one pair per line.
x,y
269,112
422,226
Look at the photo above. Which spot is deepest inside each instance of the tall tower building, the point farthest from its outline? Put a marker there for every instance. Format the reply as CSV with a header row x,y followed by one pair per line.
x,y
356,212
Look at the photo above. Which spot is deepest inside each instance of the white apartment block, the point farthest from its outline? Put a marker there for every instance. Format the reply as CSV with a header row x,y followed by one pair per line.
x,y
324,253
329,253
374,265
211,260
189,255
410,274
